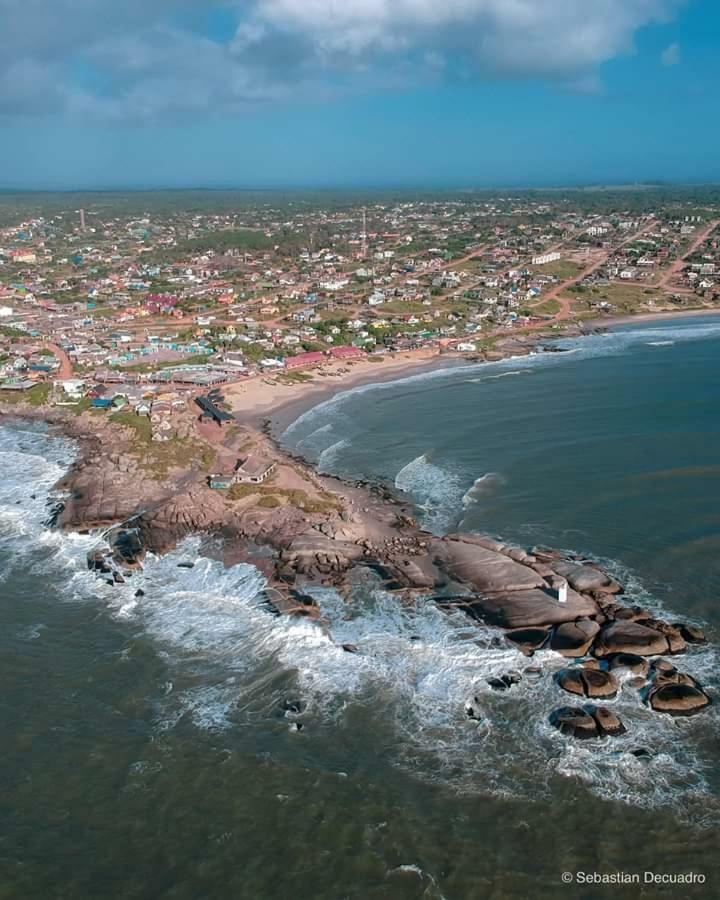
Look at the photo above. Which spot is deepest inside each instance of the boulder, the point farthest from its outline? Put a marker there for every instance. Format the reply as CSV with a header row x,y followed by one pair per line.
x,y
629,661
679,699
608,722
629,637
525,609
575,722
586,578
592,683
574,639
691,633
529,639
675,677
505,681
485,570
676,644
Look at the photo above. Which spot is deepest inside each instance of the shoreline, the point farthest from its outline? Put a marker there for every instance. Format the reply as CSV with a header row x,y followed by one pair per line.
x,y
319,530
659,316
282,404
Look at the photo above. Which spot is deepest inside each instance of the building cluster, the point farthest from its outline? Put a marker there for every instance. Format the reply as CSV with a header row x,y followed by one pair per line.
x,y
151,306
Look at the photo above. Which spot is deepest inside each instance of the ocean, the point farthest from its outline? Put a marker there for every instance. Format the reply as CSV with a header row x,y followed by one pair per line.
x,y
187,743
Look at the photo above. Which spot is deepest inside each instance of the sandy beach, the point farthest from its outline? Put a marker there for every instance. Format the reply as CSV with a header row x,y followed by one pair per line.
x,y
264,398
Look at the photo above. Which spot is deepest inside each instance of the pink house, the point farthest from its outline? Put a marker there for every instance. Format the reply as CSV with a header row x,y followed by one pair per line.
x,y
303,360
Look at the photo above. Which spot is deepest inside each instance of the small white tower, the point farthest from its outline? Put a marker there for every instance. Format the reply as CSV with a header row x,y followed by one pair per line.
x,y
562,591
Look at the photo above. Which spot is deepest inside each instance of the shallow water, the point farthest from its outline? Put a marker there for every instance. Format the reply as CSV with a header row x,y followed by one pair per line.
x,y
148,752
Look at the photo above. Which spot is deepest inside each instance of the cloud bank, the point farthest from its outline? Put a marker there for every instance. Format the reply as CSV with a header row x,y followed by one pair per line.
x,y
150,59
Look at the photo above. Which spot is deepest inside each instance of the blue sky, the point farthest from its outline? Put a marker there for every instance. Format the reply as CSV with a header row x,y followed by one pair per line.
x,y
275,93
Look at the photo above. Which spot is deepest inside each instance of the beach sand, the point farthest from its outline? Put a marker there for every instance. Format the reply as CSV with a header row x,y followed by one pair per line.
x,y
264,398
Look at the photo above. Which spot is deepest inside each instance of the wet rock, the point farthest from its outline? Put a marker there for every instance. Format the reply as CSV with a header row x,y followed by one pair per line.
x,y
574,639
575,722
186,564
592,683
139,592
629,661
674,677
529,639
350,648
679,699
662,665
591,664
691,633
641,753
586,578
532,608
608,722
485,570
294,707
474,711
505,681
629,637
675,641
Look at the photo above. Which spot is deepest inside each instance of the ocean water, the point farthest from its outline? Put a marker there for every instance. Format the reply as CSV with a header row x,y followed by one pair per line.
x,y
188,743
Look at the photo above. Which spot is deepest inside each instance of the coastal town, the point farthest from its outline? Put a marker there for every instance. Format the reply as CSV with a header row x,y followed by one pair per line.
x,y
139,310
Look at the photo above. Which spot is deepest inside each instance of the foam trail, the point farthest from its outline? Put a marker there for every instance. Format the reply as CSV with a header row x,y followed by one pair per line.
x,y
482,486
330,454
416,669
434,490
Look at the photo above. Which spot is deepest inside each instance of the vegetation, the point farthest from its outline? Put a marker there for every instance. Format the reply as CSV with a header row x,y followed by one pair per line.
x,y
272,497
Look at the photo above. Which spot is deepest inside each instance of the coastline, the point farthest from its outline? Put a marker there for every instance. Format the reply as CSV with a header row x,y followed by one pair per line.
x,y
255,402
660,316
320,530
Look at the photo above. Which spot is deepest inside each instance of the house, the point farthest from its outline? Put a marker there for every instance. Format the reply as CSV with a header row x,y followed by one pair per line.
x,y
305,360
253,470
211,411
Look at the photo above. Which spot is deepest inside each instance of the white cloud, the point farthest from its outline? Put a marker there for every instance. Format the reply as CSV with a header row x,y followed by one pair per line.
x,y
144,58
671,55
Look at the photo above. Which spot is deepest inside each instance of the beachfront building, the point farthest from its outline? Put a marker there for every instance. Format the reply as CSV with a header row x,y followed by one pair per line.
x,y
253,470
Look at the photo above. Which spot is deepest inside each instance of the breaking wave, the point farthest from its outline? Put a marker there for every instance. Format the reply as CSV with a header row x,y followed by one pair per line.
x,y
435,491
232,663
486,484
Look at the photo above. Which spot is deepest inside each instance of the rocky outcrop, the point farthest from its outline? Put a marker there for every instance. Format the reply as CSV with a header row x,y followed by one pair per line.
x,y
586,722
529,608
528,640
484,570
585,578
679,699
630,662
592,683
574,639
629,637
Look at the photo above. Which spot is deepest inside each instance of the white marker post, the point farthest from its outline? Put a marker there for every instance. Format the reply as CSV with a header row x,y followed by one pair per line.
x,y
562,592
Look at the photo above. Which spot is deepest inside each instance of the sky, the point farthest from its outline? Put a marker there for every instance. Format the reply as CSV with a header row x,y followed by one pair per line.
x,y
357,93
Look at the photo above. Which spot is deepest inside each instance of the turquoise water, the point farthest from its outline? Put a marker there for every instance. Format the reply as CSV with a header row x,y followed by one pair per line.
x,y
147,749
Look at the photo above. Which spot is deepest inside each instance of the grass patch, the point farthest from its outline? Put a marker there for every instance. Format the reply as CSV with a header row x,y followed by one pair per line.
x,y
548,308
272,497
562,269
140,425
